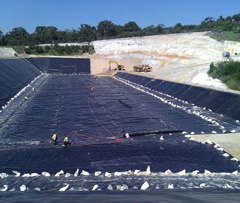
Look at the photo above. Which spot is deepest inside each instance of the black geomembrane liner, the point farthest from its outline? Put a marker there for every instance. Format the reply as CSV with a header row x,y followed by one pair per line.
x,y
96,121
225,103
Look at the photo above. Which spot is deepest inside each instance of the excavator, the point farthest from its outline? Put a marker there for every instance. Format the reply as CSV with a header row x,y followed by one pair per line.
x,y
119,67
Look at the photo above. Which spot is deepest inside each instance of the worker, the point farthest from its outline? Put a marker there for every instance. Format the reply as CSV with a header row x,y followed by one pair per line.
x,y
55,138
66,141
92,89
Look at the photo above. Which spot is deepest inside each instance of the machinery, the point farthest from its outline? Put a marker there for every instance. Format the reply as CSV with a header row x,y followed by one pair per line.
x,y
142,68
226,56
119,67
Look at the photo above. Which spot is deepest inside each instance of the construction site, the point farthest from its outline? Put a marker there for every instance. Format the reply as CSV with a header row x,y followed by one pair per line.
x,y
141,114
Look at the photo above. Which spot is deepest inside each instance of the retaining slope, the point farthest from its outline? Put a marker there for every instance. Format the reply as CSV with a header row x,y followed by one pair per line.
x,y
61,65
17,73
225,103
14,75
7,52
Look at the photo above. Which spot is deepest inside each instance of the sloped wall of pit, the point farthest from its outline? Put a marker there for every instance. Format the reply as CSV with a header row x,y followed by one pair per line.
x,y
225,103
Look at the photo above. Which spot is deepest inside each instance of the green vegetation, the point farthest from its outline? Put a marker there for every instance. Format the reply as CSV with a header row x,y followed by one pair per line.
x,y
222,28
227,72
19,49
58,50
227,35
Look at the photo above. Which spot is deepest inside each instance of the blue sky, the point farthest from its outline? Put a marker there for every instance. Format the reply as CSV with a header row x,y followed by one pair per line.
x,y
69,14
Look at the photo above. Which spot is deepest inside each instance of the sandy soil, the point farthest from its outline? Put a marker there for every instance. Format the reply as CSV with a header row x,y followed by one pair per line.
x,y
176,57
183,58
229,142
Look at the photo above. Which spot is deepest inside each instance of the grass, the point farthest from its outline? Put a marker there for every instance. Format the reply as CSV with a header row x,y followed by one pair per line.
x,y
227,72
19,49
226,35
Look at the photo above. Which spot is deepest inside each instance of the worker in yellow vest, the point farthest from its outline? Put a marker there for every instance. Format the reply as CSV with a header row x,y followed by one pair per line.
x,y
55,138
66,141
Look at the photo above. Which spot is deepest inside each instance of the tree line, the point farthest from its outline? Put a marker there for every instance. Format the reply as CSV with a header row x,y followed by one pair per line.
x,y
108,30
56,50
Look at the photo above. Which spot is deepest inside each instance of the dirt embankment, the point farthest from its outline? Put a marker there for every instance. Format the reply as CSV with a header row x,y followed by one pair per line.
x,y
176,57
182,58
6,52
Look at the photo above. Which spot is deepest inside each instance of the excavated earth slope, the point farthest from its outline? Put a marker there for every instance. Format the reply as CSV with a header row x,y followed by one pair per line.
x,y
6,52
175,57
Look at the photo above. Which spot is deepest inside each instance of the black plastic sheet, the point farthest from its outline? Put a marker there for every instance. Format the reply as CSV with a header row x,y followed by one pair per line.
x,y
225,103
95,113
15,74
95,122
61,65
209,195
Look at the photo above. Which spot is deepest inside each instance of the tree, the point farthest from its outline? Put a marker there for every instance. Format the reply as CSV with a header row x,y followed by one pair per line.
x,y
106,29
68,49
227,26
228,18
72,36
220,19
27,50
3,41
189,28
18,36
207,24
236,17
40,29
52,34
63,36
46,34
40,34
131,27
178,28
208,20
87,33
39,49
152,30
149,30
159,29
18,33
47,48
1,38
119,29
